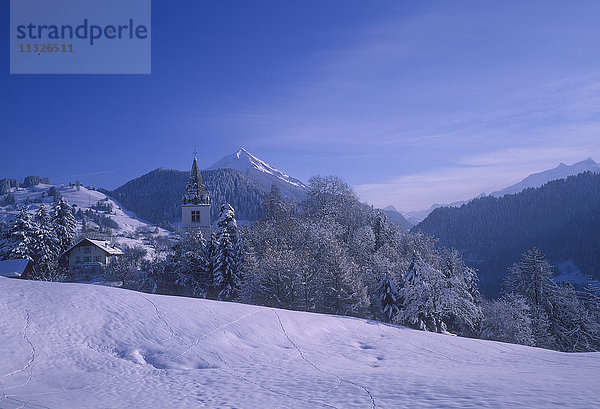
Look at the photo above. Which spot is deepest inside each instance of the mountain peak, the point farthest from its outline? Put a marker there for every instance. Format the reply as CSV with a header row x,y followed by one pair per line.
x,y
244,162
241,152
587,161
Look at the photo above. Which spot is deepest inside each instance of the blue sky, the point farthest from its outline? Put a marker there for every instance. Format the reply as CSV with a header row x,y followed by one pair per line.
x,y
411,102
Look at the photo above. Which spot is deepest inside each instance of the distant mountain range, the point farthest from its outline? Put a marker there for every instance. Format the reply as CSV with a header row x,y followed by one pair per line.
x,y
397,218
534,180
416,216
562,171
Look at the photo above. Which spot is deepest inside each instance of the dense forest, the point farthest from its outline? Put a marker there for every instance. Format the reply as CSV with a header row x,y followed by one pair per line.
x,y
561,218
156,196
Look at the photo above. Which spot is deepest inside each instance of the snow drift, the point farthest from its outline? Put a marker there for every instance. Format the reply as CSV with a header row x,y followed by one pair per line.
x,y
77,345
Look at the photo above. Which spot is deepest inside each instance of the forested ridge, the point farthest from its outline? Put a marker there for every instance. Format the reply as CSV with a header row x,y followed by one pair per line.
x,y
156,196
561,218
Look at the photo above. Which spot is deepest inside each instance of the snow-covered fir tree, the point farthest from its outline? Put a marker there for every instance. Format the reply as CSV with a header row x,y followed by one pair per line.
x,y
64,224
192,268
418,296
531,277
19,241
227,259
462,310
45,244
438,296
210,256
274,207
379,229
388,297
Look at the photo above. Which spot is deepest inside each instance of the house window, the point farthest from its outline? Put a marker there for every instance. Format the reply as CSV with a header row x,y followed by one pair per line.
x,y
195,216
87,249
96,258
88,259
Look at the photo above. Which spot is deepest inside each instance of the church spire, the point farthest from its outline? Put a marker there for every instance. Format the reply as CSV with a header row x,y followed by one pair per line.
x,y
194,191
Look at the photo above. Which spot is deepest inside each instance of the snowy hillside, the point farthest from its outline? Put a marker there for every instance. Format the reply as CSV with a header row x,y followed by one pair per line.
x,y
127,226
562,171
85,346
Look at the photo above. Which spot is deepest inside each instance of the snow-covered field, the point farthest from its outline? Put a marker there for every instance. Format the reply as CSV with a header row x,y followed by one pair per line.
x,y
86,346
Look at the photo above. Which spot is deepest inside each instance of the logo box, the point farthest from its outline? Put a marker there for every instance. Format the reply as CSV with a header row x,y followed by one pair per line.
x,y
80,36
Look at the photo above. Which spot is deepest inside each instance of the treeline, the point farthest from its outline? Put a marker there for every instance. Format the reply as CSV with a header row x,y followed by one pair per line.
x,y
328,254
333,254
156,196
6,184
538,312
561,218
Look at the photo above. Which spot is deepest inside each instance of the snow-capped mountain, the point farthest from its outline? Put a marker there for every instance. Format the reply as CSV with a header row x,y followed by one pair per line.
x,y
261,173
245,162
562,171
86,346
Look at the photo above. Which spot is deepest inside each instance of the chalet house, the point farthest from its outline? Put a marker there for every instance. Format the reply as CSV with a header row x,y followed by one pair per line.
x,y
17,268
91,254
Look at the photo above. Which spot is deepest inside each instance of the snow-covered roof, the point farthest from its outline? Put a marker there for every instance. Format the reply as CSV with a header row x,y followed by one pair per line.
x,y
102,244
13,268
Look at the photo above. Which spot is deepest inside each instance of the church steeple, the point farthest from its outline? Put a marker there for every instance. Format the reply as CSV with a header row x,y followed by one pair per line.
x,y
194,191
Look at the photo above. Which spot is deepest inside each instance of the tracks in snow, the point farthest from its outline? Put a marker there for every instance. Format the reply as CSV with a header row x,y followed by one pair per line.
x,y
310,363
31,361
28,365
230,371
190,346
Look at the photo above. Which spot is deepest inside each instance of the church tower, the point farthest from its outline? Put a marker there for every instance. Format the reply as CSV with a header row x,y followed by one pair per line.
x,y
195,210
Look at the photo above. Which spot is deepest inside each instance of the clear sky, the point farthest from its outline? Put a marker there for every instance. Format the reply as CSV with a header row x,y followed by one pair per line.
x,y
411,102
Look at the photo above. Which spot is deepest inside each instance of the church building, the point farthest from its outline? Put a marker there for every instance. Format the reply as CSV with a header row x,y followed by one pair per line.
x,y
195,210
